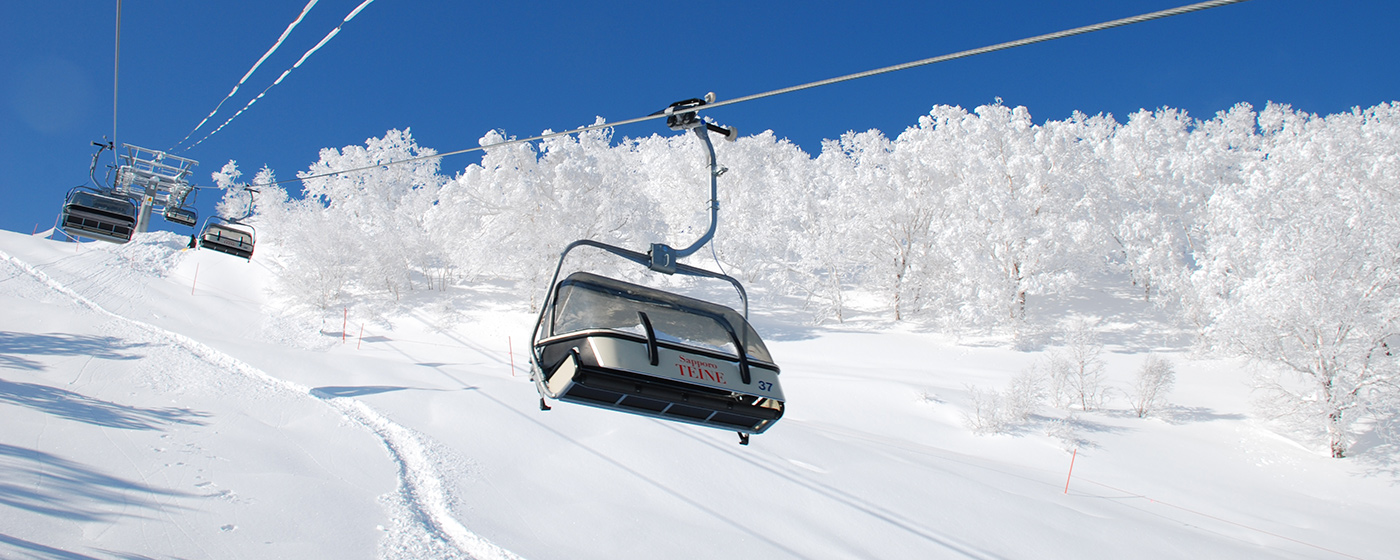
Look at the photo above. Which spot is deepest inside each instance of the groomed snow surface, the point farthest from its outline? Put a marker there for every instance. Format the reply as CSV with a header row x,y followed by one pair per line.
x,y
155,403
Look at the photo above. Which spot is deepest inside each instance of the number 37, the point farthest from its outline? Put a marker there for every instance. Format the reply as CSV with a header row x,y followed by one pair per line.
x,y
765,385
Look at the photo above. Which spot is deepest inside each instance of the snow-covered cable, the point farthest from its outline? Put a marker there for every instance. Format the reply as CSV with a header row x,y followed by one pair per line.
x,y
269,52
279,79
924,62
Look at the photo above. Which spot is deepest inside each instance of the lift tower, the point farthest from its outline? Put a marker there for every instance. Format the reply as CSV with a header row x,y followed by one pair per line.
x,y
157,179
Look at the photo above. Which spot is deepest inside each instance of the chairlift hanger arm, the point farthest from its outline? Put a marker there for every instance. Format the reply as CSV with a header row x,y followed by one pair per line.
x,y
683,115
92,169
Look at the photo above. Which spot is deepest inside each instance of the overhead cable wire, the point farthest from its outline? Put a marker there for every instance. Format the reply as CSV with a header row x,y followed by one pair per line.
x,y
116,67
279,79
269,52
846,78
984,50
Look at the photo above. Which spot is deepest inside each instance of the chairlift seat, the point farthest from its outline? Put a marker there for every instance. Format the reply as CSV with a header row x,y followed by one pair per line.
x,y
228,239
99,216
620,346
181,215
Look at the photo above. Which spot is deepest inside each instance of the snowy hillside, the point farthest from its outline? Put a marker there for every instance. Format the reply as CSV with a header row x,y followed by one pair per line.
x,y
156,403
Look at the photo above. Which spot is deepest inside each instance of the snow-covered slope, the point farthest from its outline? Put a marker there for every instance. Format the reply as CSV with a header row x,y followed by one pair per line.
x,y
154,402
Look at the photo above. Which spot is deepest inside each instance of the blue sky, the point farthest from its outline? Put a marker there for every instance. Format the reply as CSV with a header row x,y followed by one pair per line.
x,y
451,71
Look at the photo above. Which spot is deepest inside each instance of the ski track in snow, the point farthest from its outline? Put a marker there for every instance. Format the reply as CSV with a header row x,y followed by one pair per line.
x,y
425,499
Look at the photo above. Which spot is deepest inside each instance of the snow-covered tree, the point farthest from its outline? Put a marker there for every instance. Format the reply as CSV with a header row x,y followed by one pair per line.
x,y
1151,199
1154,380
1011,197
1273,233
1077,370
996,412
1304,266
771,190
235,202
900,203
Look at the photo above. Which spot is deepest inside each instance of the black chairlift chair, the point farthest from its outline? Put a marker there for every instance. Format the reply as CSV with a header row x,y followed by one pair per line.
x,y
227,236
179,208
90,213
611,344
183,215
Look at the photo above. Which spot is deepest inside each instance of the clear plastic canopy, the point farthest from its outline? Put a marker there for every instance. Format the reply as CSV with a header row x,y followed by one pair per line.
x,y
587,302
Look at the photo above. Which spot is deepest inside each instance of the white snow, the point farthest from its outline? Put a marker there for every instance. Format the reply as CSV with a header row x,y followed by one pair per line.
x,y
155,403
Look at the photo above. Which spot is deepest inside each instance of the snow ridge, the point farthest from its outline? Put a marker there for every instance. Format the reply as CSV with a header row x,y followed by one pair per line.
x,y
423,495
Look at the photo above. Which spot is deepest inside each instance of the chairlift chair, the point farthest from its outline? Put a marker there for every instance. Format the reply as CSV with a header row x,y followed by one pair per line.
x,y
620,346
90,213
227,236
179,208
183,215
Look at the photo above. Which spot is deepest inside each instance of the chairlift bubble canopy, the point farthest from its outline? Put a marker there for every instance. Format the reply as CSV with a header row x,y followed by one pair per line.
x,y
621,346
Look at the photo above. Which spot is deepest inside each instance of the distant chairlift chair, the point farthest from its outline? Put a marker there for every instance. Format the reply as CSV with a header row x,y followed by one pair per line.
x,y
179,208
227,236
183,215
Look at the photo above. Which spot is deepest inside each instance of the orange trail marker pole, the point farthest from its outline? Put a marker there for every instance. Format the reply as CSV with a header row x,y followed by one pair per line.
x,y
344,323
1071,468
196,278
362,337
511,348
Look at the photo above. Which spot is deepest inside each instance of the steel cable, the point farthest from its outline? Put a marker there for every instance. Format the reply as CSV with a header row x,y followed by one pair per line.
x,y
116,66
846,78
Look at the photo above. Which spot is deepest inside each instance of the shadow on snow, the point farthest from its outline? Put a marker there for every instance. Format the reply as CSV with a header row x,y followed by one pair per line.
x,y
13,345
335,392
82,408
35,550
50,485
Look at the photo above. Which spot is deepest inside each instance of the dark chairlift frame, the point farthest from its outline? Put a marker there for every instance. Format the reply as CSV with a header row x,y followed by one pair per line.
x,y
184,215
179,209
98,212
92,213
227,236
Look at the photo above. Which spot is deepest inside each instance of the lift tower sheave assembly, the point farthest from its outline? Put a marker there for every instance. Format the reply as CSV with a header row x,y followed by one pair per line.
x,y
156,179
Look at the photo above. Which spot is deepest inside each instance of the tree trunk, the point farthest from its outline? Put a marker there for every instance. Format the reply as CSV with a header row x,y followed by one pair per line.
x,y
1334,433
899,287
1018,308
